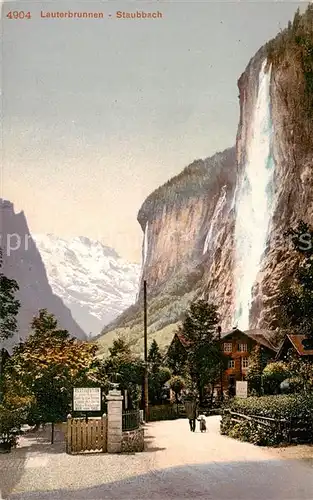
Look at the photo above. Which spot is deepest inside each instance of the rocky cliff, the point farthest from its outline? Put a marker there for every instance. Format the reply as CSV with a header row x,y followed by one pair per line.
x,y
22,261
184,222
290,56
181,219
204,231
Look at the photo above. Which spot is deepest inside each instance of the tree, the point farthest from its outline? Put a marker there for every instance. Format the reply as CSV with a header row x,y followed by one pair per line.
x,y
9,305
204,357
176,358
296,20
177,384
257,364
157,380
200,321
301,372
154,356
295,298
48,365
158,374
130,370
273,375
120,347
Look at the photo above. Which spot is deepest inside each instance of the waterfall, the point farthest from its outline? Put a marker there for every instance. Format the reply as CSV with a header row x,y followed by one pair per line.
x,y
254,203
217,211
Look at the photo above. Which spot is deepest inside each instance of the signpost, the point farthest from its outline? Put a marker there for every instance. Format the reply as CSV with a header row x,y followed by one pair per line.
x,y
241,389
86,399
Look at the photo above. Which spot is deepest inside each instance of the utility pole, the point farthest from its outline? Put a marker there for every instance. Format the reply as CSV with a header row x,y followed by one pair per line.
x,y
219,330
146,392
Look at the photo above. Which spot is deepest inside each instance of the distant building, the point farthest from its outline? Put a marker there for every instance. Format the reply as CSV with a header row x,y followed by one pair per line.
x,y
179,345
237,346
293,344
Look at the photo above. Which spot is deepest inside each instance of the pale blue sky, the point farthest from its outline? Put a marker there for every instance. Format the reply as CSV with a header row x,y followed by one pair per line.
x,y
99,113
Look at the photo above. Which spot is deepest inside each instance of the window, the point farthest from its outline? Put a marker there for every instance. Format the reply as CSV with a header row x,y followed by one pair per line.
x,y
228,347
244,362
231,363
242,347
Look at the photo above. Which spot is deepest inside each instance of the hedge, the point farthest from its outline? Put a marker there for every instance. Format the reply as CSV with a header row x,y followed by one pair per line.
x,y
280,406
166,412
295,410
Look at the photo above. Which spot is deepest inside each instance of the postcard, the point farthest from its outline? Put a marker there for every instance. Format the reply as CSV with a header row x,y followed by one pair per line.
x,y
156,238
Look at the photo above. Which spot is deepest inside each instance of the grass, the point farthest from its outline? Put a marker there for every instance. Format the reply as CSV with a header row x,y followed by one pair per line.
x,y
134,337
164,314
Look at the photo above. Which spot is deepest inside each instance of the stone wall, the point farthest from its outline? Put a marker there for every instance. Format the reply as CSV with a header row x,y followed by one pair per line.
x,y
133,441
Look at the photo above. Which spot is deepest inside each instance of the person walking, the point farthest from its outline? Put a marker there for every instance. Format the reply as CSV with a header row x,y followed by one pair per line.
x,y
191,412
201,419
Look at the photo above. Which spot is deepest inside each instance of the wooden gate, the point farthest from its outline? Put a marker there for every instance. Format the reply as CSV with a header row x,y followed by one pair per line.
x,y
86,436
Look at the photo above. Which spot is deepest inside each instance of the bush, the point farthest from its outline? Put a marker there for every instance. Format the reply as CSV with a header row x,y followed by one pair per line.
x,y
177,384
282,406
295,385
290,408
10,424
252,432
226,424
273,375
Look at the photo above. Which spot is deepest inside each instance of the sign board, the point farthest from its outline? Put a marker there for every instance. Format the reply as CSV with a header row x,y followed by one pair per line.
x,y
87,399
241,389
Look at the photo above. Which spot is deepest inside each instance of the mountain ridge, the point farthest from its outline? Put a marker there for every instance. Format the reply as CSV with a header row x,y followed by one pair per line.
x,y
90,277
23,263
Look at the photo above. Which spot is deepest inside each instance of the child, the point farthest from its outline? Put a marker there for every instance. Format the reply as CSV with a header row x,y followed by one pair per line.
x,y
201,419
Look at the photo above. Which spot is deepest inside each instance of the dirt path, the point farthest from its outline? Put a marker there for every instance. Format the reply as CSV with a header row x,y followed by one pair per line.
x,y
177,464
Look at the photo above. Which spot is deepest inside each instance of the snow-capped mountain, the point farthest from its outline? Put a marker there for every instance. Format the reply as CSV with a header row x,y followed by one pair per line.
x,y
91,279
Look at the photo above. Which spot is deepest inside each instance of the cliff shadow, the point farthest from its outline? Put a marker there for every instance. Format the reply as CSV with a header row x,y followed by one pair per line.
x,y
11,470
36,443
150,443
39,440
249,480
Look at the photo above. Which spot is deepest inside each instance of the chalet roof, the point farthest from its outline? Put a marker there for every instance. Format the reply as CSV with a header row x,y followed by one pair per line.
x,y
182,339
261,336
296,341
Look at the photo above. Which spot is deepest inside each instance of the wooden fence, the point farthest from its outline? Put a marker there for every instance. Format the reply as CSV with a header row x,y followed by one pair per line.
x,y
294,429
90,435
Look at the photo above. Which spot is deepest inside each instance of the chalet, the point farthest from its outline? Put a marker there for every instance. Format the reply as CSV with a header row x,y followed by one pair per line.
x,y
293,343
237,346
